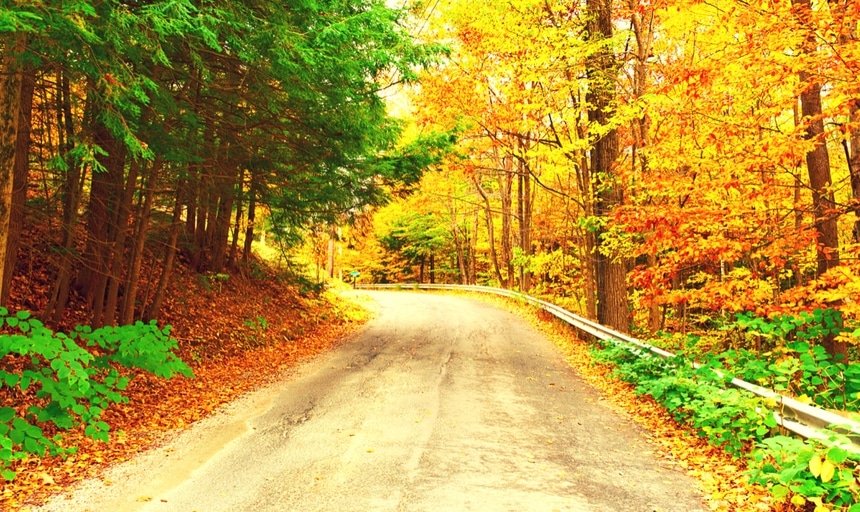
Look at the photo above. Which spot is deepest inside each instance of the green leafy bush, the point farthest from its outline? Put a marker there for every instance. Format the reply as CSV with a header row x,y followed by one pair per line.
x,y
728,417
256,328
800,370
808,471
804,326
67,380
803,471
796,363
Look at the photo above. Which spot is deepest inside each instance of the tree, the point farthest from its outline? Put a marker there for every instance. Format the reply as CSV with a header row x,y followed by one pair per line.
x,y
610,268
202,113
418,239
678,157
817,159
12,46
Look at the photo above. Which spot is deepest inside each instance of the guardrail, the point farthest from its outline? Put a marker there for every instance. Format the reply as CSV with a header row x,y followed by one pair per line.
x,y
800,418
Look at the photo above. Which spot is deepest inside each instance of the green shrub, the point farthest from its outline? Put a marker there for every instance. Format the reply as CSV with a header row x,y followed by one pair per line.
x,y
796,362
807,470
257,328
70,379
803,471
732,418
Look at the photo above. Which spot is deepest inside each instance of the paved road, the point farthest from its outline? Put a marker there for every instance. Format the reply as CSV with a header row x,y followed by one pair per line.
x,y
441,403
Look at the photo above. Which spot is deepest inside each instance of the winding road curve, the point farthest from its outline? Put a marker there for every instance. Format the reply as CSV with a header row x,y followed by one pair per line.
x,y
441,403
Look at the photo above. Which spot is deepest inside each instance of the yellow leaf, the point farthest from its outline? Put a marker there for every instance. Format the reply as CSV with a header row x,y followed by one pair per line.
x,y
815,465
822,508
798,500
827,471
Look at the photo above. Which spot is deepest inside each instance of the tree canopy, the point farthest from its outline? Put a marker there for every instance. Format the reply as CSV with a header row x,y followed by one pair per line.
x,y
206,113
659,166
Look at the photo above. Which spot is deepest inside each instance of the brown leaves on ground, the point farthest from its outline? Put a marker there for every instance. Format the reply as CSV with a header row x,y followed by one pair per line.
x,y
236,337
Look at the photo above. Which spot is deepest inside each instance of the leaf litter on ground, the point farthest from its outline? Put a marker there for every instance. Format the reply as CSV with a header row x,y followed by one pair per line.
x,y
231,349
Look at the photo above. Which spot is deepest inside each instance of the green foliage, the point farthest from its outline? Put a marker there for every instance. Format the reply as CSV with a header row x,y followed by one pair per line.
x,y
70,379
210,280
406,165
805,471
294,92
337,147
416,236
800,370
18,19
731,418
808,469
797,364
806,327
257,328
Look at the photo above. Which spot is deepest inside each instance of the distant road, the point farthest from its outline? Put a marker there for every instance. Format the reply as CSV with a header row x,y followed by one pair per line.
x,y
441,403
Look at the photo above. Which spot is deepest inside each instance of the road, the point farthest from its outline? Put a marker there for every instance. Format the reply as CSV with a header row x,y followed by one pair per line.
x,y
441,403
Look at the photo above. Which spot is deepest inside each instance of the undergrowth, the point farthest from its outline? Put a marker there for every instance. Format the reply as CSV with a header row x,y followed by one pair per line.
x,y
64,380
818,474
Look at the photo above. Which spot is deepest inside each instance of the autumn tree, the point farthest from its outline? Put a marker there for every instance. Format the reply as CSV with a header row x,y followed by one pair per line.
x,y
685,149
610,268
418,239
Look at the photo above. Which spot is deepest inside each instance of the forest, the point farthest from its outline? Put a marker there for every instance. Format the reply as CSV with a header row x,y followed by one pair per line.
x,y
146,147
687,171
659,166
168,126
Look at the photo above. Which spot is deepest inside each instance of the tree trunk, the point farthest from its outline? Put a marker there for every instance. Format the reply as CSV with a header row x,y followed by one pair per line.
x,y
655,313
136,258
853,155
20,179
818,167
192,185
220,235
612,308
117,247
589,271
198,259
169,257
203,205
234,244
225,186
71,193
332,247
10,100
524,212
252,217
641,20
460,250
106,194
191,192
491,232
817,160
507,185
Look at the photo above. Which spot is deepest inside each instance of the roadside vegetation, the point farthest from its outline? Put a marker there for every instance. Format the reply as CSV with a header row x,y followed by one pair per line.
x,y
161,164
